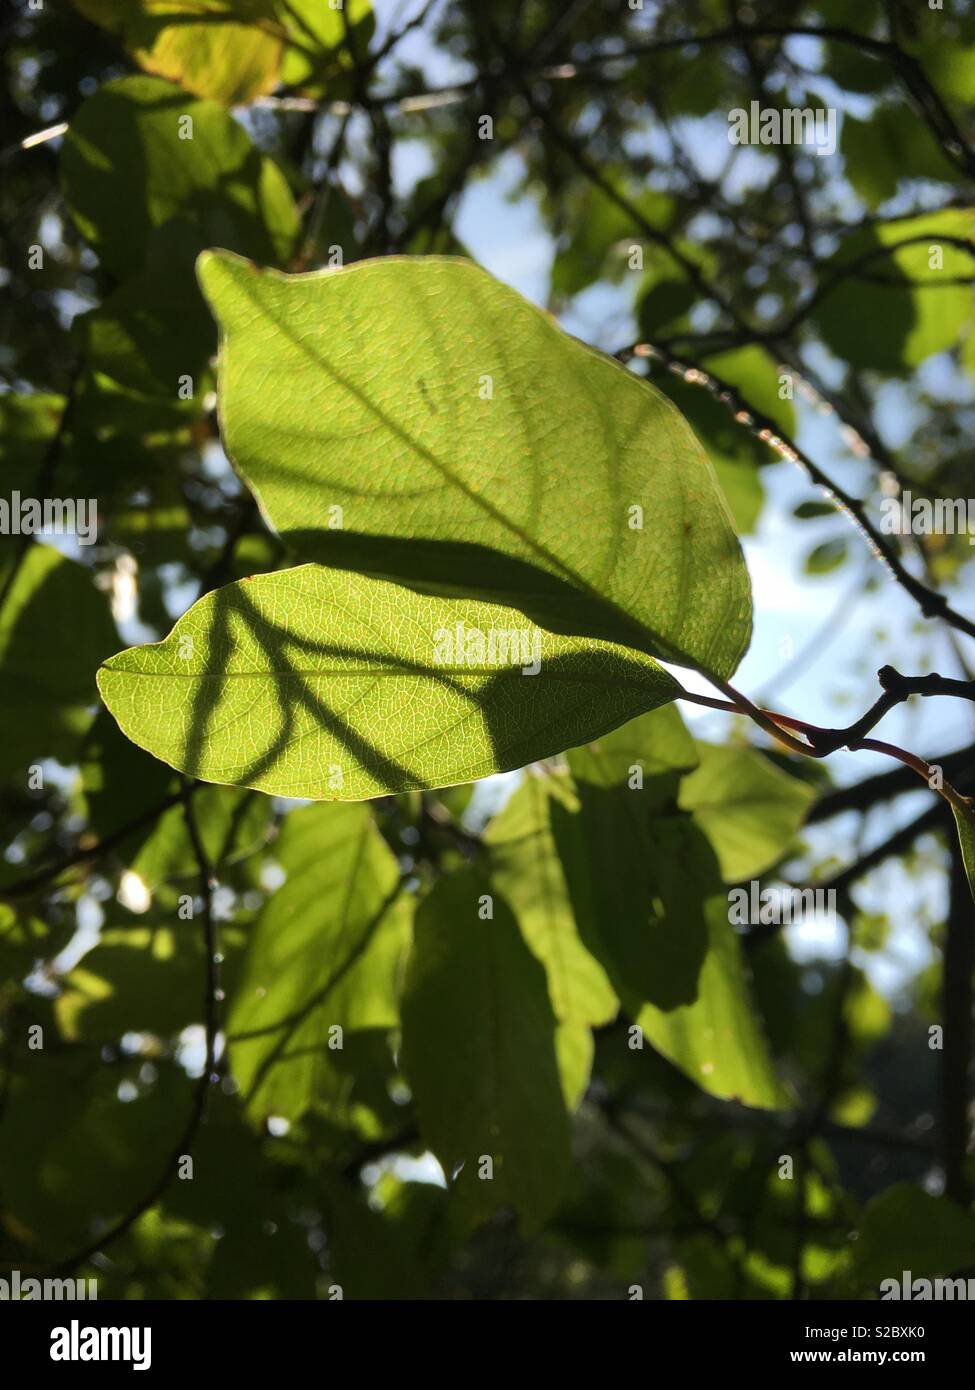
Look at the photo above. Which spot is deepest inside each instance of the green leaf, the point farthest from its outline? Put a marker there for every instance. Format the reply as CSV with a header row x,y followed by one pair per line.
x,y
82,1142
650,906
599,227
718,1039
470,444
749,809
317,56
27,424
812,511
732,447
949,63
140,980
891,145
226,49
389,1241
326,684
358,1094
325,953
650,754
479,1050
907,1229
666,294
244,1200
125,148
903,307
232,823
149,332
189,174
965,820
23,941
371,1256
120,783
525,868
125,446
827,557
574,1049
47,664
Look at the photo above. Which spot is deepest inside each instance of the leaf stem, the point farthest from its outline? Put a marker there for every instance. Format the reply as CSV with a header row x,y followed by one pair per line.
x,y
819,742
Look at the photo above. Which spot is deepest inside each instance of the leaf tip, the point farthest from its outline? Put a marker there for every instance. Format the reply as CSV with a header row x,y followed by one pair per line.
x,y
217,268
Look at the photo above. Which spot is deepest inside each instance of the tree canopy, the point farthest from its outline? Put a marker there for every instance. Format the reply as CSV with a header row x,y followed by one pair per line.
x,y
486,658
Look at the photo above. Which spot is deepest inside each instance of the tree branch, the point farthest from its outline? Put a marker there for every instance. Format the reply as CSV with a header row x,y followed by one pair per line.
x,y
932,603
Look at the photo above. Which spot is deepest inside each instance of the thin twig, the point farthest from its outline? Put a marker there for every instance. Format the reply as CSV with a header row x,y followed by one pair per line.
x,y
932,603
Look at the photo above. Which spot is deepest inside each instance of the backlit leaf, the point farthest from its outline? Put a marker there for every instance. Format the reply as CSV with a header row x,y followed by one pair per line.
x,y
183,167
326,684
47,665
965,820
230,50
717,1039
325,953
525,867
749,809
428,403
479,1050
904,306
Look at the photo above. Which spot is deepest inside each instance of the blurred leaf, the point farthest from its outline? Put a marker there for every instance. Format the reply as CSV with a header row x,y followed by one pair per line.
x,y
211,186
825,558
140,980
27,425
391,1248
119,781
23,940
150,332
232,825
325,954
904,1228
718,1040
732,446
189,176
226,49
525,868
892,144
260,1250
896,307
949,64
651,908
574,1049
811,511
479,1051
47,665
649,754
644,925
749,809
600,227
318,50
83,1142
